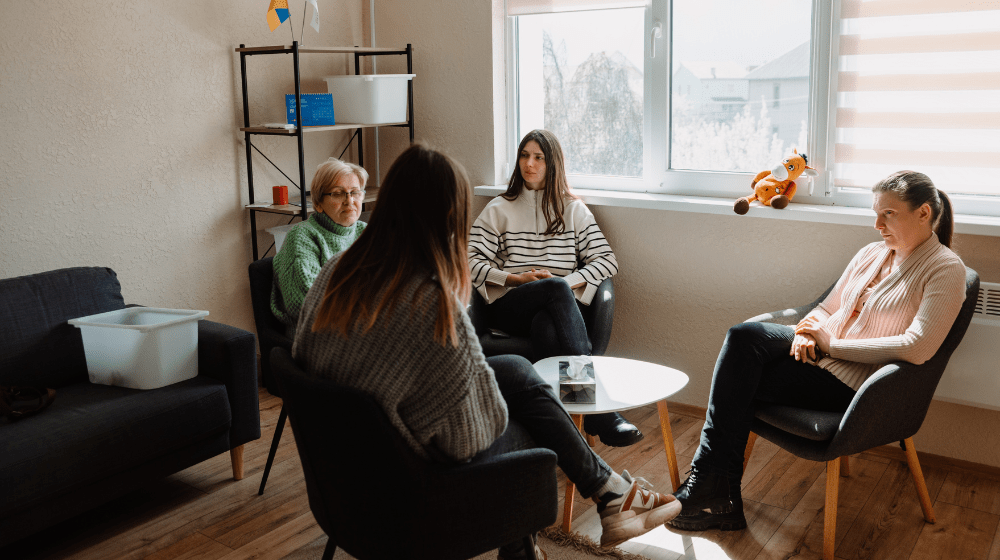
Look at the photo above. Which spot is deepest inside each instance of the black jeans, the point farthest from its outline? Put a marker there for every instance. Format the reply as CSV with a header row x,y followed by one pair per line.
x,y
548,312
754,366
539,420
536,418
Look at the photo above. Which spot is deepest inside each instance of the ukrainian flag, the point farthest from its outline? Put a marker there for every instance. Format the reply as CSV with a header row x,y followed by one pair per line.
x,y
277,13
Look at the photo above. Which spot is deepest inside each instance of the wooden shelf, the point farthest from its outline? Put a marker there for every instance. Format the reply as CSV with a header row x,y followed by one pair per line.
x,y
292,210
333,50
291,131
286,209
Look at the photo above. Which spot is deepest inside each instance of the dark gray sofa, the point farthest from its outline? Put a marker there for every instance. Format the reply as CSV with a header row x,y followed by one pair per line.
x,y
97,442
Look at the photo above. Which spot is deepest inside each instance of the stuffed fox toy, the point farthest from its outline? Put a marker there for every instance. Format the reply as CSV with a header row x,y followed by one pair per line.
x,y
775,188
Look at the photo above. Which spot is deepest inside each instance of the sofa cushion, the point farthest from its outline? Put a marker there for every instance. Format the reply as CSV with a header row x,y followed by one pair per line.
x,y
37,346
90,432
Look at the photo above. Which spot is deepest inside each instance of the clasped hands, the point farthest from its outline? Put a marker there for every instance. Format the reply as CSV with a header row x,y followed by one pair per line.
x,y
811,341
514,280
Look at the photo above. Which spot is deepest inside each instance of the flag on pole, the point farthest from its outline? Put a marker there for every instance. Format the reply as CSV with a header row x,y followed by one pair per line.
x,y
315,20
277,13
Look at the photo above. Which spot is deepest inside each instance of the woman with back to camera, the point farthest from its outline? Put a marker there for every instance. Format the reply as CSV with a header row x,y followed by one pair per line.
x,y
338,190
897,300
387,316
538,256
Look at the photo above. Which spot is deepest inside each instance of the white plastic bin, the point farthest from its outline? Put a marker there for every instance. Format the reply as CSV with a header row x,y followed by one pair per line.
x,y
279,233
141,347
369,99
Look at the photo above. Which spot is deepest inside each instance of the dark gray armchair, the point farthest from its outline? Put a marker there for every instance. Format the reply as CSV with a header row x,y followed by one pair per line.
x,y
890,406
361,476
598,316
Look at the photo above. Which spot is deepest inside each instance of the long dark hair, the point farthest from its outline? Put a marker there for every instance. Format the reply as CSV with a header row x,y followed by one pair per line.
x,y
915,188
420,224
556,188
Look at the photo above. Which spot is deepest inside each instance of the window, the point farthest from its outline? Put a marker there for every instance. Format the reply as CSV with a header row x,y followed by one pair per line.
x,y
695,96
918,87
580,76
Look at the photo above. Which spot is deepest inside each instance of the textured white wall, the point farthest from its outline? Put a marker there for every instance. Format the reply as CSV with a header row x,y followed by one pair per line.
x,y
120,144
455,89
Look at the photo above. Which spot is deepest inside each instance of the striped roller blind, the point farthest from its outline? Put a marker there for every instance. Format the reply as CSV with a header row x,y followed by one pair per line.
x,y
524,7
918,87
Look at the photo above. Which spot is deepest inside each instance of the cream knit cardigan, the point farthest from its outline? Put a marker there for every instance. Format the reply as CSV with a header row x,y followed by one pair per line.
x,y
907,316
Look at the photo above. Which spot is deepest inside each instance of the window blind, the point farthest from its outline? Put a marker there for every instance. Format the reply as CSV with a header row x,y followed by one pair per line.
x,y
525,7
918,87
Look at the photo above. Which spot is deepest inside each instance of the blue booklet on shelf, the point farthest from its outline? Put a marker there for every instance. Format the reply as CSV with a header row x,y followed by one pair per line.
x,y
317,109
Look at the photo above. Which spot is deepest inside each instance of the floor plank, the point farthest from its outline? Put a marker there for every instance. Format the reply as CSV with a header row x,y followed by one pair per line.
x,y
969,490
960,532
193,547
889,523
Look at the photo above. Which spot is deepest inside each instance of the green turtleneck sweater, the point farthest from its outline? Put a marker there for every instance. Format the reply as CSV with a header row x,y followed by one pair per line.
x,y
306,249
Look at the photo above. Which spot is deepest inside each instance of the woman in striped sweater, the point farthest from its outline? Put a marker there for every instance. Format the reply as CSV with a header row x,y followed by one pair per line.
x,y
897,300
537,256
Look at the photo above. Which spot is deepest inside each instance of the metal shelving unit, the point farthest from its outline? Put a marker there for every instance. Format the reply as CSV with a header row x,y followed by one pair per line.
x,y
299,132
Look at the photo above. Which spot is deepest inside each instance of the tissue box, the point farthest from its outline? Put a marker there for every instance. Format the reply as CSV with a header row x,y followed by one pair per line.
x,y
577,391
317,109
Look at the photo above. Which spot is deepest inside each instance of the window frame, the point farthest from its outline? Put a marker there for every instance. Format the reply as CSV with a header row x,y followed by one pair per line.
x,y
658,178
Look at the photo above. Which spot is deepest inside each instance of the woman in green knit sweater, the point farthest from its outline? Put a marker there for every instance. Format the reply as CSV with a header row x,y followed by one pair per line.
x,y
338,189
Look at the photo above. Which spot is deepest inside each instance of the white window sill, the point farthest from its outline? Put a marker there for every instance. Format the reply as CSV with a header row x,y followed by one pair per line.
x,y
964,223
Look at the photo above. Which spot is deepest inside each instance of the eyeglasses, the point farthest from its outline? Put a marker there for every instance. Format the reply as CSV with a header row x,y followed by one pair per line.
x,y
339,196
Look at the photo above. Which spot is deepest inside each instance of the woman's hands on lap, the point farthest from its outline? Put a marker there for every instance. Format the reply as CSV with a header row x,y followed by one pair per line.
x,y
803,348
514,280
811,340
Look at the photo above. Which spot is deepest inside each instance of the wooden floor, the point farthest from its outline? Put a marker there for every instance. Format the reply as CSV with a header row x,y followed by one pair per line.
x,y
201,513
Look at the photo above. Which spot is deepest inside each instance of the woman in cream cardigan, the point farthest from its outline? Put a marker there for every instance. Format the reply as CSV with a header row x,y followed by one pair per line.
x,y
897,300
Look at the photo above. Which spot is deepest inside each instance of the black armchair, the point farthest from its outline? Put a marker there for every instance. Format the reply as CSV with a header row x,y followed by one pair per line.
x,y
362,476
890,406
270,334
598,317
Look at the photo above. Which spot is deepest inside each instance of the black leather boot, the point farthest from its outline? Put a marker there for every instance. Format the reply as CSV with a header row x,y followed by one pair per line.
x,y
709,500
612,428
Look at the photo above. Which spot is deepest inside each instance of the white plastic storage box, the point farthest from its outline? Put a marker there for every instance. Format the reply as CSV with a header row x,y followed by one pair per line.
x,y
279,233
141,347
369,99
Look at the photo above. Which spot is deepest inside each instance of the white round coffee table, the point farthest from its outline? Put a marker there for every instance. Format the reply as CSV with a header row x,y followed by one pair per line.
x,y
622,384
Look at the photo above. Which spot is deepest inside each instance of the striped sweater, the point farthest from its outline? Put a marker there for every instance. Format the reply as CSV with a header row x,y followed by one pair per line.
x,y
907,316
508,238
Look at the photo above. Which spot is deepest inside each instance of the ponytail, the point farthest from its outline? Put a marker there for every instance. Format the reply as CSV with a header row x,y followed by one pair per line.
x,y
946,221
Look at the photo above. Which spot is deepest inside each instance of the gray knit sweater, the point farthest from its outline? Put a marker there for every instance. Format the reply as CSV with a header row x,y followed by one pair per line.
x,y
442,399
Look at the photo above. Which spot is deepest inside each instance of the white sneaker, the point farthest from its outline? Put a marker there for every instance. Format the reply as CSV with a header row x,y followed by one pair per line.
x,y
636,513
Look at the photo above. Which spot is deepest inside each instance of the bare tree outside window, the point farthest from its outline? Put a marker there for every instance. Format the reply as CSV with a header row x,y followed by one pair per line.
x,y
592,91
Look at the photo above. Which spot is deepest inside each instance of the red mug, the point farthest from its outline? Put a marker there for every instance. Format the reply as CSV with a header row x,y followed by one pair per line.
x,y
280,195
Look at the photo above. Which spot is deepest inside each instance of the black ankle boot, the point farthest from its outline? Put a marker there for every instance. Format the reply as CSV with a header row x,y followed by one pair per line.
x,y
709,500
612,428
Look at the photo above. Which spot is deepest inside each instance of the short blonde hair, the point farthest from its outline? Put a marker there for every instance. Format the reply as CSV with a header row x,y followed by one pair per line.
x,y
329,173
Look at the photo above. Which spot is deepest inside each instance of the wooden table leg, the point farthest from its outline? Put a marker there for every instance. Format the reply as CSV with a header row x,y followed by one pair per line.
x,y
668,444
570,487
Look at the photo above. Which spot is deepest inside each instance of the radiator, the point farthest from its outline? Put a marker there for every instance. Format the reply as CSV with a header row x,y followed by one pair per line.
x,y
973,373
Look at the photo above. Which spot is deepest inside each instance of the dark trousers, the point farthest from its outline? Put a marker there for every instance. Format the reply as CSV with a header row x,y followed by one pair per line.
x,y
547,311
754,366
536,418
